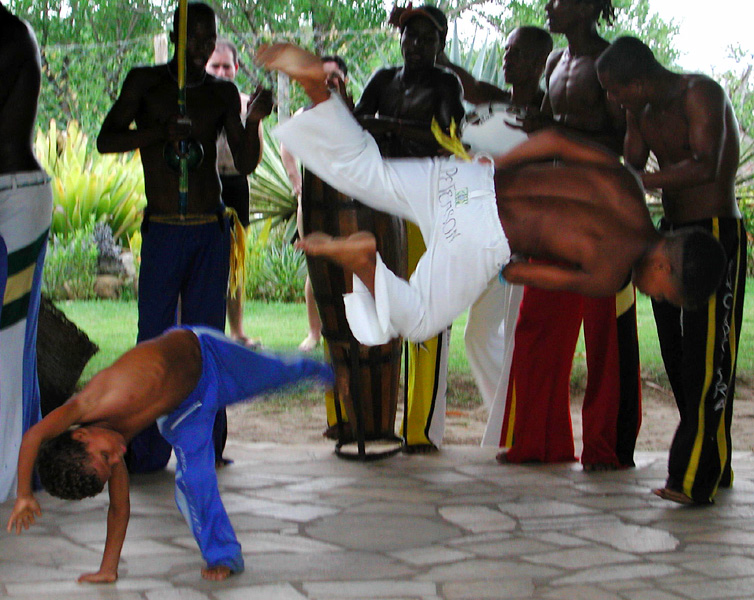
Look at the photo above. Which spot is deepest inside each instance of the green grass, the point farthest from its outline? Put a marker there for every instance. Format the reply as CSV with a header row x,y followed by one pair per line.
x,y
112,326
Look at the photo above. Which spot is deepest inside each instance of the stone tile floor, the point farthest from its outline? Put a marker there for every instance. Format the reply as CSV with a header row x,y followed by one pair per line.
x,y
454,525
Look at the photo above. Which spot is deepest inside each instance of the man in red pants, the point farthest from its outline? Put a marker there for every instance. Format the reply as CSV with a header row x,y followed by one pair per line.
x,y
537,421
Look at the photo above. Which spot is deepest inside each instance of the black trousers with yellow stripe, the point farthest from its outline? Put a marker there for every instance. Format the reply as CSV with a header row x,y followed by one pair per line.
x,y
699,349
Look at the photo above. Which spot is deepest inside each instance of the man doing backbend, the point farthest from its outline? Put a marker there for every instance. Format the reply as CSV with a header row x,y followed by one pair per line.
x,y
586,212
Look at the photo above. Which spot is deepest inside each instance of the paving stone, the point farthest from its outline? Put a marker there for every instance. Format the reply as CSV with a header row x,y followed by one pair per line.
x,y
488,590
478,519
449,526
380,533
369,589
281,591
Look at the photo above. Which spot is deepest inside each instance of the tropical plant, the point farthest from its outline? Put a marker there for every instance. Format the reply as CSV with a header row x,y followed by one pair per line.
x,y
85,184
271,192
275,270
70,267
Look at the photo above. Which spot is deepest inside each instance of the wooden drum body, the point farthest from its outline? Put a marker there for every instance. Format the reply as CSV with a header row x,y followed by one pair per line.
x,y
366,377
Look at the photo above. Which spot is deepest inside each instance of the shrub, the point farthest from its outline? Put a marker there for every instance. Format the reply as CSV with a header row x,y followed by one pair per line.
x,y
70,267
275,270
271,193
84,183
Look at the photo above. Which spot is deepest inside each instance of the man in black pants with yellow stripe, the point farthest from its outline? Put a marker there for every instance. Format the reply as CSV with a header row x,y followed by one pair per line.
x,y
688,122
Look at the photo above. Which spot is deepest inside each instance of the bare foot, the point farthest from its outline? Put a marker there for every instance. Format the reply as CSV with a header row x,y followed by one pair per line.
x,y
298,64
672,495
310,342
218,573
356,253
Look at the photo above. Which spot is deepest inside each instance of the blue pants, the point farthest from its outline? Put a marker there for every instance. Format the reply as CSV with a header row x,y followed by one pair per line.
x,y
190,261
231,373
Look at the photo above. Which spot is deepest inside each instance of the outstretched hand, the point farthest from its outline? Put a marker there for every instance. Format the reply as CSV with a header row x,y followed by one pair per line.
x,y
24,512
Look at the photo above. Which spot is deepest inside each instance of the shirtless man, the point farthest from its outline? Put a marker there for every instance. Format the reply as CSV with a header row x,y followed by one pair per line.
x,y
25,215
526,51
539,429
585,211
688,122
413,95
182,256
182,378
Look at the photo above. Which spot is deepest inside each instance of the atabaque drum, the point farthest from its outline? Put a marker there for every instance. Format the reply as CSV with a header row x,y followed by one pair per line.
x,y
367,377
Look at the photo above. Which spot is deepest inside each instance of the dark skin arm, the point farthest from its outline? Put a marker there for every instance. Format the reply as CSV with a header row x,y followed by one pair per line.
x,y
245,142
548,276
474,91
369,102
705,114
117,522
553,144
116,134
58,421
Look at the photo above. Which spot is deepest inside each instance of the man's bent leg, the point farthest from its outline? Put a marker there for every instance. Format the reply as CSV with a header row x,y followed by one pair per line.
x,y
198,497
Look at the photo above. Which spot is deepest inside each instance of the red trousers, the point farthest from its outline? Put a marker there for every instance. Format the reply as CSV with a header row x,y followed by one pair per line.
x,y
537,424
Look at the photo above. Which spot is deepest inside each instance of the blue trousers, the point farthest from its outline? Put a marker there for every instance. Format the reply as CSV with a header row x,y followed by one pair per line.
x,y
231,373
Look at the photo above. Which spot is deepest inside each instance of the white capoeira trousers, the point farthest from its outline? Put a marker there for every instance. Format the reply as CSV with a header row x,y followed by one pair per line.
x,y
25,215
452,202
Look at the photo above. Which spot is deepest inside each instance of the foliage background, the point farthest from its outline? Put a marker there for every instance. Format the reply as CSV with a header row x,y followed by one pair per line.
x,y
88,47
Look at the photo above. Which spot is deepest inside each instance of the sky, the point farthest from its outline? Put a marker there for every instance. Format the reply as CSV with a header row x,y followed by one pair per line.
x,y
707,29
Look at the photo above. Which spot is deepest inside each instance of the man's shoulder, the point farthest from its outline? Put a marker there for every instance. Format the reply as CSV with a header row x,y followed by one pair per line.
x,y
16,35
147,75
703,85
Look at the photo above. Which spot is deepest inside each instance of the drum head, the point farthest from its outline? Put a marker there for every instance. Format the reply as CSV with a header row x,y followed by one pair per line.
x,y
487,129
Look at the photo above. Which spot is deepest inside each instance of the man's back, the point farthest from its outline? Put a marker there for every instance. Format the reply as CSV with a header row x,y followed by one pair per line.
x,y
20,73
168,370
590,216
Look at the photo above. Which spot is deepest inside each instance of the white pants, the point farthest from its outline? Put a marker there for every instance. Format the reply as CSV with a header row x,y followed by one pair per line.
x,y
25,215
452,202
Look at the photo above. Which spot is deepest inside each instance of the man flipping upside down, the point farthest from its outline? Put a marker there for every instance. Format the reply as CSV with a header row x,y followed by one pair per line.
x,y
586,211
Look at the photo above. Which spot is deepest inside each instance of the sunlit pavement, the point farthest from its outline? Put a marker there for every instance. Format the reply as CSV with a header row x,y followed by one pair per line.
x,y
452,525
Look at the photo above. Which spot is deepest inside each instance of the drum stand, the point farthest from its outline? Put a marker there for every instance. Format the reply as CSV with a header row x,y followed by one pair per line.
x,y
358,409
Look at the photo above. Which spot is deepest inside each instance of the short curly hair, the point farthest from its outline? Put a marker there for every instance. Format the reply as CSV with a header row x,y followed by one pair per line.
x,y
64,469
703,266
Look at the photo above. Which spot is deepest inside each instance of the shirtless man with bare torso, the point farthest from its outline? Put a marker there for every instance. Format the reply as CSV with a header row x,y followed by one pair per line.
x,y
688,122
184,256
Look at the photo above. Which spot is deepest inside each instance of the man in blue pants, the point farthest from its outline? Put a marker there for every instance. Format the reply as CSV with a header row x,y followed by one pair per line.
x,y
181,379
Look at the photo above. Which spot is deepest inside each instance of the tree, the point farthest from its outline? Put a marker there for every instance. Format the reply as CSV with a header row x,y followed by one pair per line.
x,y
633,17
86,49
